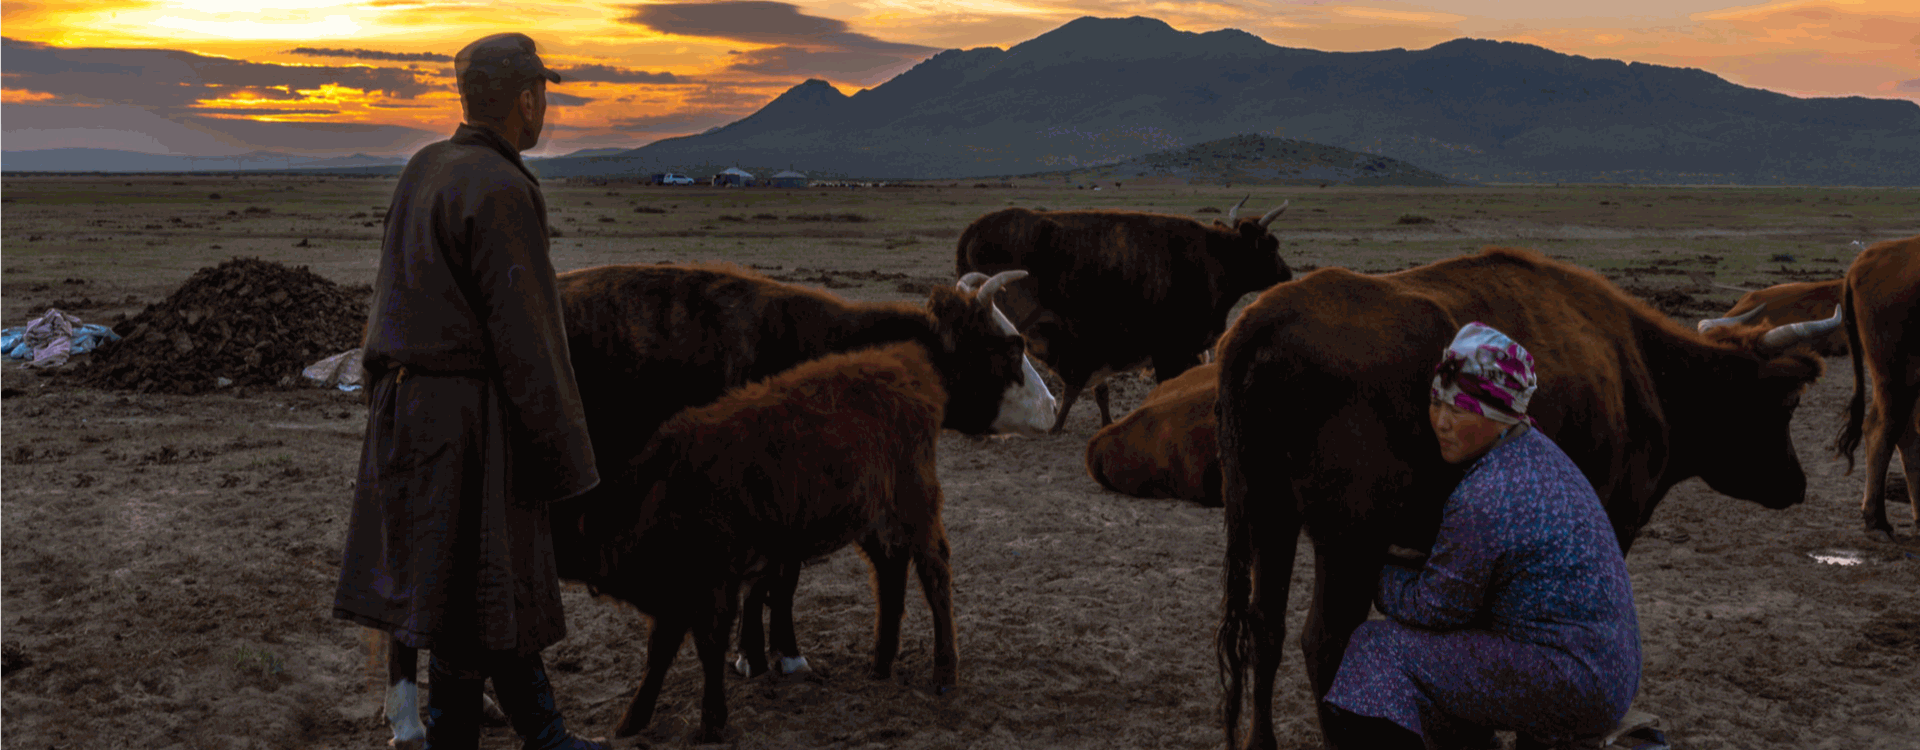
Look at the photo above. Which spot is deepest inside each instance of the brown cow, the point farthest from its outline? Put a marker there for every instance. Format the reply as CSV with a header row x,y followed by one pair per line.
x,y
1778,305
833,452
1115,290
1165,448
650,340
1323,427
647,341
1882,308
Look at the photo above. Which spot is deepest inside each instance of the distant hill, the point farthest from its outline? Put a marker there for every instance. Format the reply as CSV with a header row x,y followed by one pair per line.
x,y
1256,160
1097,91
586,152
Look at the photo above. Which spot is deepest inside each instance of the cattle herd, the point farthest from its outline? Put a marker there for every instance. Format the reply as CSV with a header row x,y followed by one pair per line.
x,y
746,426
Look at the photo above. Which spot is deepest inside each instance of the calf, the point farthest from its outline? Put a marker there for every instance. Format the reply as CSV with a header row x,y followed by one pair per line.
x,y
647,341
833,452
1166,447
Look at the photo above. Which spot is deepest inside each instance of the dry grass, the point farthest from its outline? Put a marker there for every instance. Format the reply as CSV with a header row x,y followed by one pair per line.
x,y
138,237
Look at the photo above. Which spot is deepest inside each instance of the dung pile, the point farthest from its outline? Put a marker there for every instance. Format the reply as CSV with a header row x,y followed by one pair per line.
x,y
247,321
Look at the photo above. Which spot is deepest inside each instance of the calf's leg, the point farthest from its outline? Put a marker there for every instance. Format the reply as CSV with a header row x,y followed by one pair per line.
x,y
774,592
710,643
931,562
889,593
663,642
753,646
786,647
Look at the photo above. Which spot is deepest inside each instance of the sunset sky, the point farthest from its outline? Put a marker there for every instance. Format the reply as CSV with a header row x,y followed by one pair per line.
x,y
325,77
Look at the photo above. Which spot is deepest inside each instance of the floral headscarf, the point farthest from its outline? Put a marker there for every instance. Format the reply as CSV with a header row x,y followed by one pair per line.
x,y
1486,373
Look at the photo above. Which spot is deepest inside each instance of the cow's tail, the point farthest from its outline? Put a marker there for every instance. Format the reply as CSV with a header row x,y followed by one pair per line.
x,y
1239,623
1234,642
1848,438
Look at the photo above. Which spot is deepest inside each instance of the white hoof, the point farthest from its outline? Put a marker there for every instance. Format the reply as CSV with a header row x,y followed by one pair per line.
x,y
794,664
403,716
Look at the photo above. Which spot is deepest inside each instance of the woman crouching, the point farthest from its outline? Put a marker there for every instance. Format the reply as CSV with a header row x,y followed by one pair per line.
x,y
1522,616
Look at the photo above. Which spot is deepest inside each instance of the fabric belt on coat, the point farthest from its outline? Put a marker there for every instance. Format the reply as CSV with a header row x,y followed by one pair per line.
x,y
402,373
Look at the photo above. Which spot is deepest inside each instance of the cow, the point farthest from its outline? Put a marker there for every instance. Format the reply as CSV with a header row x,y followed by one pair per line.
x,y
836,451
1881,305
1323,427
1778,305
647,341
1166,447
1112,291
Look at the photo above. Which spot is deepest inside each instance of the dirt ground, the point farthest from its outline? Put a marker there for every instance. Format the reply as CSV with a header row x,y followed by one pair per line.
x,y
169,563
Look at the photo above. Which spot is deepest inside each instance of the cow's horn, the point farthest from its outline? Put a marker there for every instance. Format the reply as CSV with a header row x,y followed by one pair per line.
x,y
970,282
999,279
1793,333
1274,214
1235,211
1709,324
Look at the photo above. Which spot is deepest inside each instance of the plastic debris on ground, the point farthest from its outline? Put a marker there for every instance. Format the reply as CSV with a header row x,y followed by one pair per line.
x,y
342,371
51,339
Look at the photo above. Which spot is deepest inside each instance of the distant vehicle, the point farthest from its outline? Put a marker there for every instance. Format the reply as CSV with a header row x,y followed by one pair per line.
x,y
671,178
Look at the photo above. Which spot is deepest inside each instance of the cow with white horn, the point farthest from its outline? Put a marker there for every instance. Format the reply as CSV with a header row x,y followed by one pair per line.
x,y
1111,291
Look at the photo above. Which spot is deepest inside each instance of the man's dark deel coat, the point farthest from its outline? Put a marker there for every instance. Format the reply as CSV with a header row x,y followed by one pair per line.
x,y
475,422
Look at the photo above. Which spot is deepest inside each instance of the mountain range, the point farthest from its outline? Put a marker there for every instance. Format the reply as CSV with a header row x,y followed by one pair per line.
x,y
1096,92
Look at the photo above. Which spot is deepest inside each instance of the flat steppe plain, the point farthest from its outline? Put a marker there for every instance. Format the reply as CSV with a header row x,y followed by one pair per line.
x,y
169,561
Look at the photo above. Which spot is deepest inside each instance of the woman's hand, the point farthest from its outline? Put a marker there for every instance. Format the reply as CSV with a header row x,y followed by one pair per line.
x,y
1406,558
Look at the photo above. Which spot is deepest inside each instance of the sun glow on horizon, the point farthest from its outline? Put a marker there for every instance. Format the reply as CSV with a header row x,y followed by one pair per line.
x,y
333,26
656,76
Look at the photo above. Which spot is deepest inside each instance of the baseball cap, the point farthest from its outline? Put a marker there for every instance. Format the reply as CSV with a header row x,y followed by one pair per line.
x,y
501,58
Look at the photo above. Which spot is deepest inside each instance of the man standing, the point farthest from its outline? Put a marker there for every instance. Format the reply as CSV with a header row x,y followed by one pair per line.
x,y
475,423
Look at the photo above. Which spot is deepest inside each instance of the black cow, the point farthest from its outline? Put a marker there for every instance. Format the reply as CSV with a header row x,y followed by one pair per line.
x,y
1114,290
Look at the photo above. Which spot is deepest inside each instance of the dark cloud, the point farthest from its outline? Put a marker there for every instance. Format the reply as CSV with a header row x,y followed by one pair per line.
x,y
170,79
861,66
763,22
368,54
557,99
610,74
1913,85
